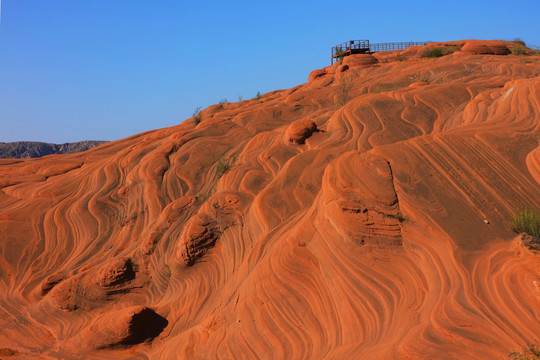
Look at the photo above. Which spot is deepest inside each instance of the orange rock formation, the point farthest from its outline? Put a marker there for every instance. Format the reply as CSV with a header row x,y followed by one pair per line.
x,y
291,227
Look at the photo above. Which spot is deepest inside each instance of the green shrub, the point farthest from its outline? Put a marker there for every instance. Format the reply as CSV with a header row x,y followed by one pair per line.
x,y
401,58
197,117
258,96
433,53
224,165
519,49
450,49
399,217
527,221
519,41
440,51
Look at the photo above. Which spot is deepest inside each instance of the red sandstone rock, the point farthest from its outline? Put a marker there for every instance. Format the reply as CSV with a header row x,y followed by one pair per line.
x,y
316,74
116,273
342,68
8,352
370,243
201,235
121,328
418,83
300,130
357,60
487,47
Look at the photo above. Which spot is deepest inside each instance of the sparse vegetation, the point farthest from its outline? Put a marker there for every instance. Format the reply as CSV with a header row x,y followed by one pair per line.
x,y
197,117
433,53
527,221
223,165
518,49
224,101
423,79
343,91
258,96
399,217
440,51
205,196
240,98
401,58
519,41
532,352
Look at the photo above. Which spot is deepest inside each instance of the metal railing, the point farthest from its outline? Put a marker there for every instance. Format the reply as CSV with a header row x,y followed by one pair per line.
x,y
364,47
394,46
350,47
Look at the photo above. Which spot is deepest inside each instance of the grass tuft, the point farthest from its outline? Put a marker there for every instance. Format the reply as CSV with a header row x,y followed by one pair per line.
x,y
223,165
205,196
197,117
527,221
519,49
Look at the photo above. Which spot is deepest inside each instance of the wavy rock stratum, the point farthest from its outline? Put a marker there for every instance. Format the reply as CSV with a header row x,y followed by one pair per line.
x,y
365,214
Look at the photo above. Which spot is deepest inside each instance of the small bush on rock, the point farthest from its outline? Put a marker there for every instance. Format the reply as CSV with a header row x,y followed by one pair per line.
x,y
527,221
440,51
197,117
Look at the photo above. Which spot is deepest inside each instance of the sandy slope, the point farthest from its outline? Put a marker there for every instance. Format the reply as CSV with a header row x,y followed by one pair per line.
x,y
140,249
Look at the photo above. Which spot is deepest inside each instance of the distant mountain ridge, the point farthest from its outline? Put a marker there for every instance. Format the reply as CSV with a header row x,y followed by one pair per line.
x,y
34,149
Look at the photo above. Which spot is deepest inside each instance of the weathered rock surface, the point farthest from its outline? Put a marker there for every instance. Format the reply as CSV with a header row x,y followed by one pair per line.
x,y
121,328
116,273
300,130
368,241
485,47
359,60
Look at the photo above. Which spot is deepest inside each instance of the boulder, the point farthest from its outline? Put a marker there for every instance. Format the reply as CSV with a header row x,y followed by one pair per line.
x,y
485,47
359,60
300,130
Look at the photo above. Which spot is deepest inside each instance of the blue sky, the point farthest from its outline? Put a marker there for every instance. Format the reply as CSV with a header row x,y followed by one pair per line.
x,y
75,70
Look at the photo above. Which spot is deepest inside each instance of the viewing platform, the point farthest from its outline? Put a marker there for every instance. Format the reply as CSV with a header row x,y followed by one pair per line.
x,y
364,47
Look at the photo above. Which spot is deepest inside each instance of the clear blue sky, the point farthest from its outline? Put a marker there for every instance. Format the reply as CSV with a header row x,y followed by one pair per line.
x,y
105,69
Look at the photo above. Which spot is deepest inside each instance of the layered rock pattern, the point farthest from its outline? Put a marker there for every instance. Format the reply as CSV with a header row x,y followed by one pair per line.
x,y
365,239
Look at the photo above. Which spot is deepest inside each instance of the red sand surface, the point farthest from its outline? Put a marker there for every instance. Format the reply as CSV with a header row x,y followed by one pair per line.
x,y
291,227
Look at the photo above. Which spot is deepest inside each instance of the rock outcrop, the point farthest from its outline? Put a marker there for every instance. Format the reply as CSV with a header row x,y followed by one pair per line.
x,y
292,226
